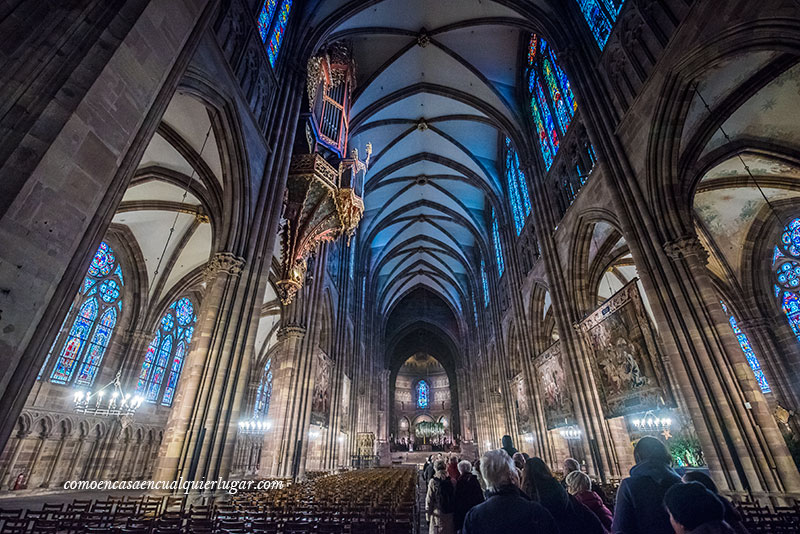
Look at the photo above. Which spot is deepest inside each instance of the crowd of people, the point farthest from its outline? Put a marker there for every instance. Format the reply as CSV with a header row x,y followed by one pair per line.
x,y
412,443
508,492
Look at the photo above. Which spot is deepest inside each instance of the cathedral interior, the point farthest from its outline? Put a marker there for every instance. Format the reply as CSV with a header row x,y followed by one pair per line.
x,y
279,239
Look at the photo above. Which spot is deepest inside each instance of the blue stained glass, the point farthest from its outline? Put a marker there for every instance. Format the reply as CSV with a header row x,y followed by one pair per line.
x,y
184,311
109,290
517,188
352,257
748,351
566,87
175,372
787,273
498,248
485,282
264,392
103,261
264,20
78,335
791,238
516,209
475,311
97,348
276,41
159,368
522,181
548,118
167,352
563,113
147,366
423,395
95,320
599,20
544,141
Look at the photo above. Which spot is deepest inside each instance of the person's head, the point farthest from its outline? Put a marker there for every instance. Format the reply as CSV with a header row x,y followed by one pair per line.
x,y
570,465
650,449
440,465
526,456
464,467
519,460
439,456
477,465
577,482
497,469
507,441
691,505
702,478
430,458
535,468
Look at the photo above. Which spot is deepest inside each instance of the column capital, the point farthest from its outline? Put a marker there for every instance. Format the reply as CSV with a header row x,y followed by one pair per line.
x,y
686,247
291,332
224,262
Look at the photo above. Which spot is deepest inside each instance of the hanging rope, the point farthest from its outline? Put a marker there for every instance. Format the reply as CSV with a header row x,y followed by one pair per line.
x,y
183,199
744,163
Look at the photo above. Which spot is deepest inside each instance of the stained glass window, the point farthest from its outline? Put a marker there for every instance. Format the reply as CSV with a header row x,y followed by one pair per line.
x,y
786,266
352,257
166,353
264,392
423,394
98,304
749,353
278,31
517,188
600,15
553,103
475,311
265,16
485,282
498,246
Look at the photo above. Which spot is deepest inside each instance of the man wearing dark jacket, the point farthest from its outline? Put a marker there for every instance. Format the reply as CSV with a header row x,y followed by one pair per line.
x,y
506,510
468,493
640,508
508,446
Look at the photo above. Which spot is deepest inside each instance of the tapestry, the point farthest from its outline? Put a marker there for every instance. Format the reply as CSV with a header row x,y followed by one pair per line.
x,y
557,403
519,392
344,419
626,363
321,397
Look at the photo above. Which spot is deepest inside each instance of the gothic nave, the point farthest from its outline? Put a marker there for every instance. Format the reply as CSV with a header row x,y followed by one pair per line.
x,y
273,239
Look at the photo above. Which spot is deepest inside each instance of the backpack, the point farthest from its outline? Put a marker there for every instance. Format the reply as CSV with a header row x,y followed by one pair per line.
x,y
446,504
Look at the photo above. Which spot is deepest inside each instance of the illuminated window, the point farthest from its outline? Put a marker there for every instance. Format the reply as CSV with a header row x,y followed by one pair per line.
x,y
749,353
498,246
166,353
99,305
517,188
600,15
423,395
264,392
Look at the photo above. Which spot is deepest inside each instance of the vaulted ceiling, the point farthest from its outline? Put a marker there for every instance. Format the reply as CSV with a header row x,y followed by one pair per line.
x,y
436,95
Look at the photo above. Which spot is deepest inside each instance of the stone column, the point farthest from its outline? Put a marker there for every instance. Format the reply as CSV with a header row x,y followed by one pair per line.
x,y
8,472
75,457
291,412
56,459
739,435
37,451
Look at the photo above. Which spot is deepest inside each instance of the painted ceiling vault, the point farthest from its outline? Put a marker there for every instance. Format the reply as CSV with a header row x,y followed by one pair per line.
x,y
436,107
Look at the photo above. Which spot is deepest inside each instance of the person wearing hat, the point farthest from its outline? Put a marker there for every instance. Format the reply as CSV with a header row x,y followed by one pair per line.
x,y
693,509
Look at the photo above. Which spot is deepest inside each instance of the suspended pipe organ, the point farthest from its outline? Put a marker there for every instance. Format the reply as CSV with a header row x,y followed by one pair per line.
x,y
323,192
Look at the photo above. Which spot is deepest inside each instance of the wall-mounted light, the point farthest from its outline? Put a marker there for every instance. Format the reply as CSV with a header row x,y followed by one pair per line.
x,y
254,426
571,433
652,423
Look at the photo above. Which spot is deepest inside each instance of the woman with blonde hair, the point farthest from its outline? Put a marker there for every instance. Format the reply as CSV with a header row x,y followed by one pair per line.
x,y
579,486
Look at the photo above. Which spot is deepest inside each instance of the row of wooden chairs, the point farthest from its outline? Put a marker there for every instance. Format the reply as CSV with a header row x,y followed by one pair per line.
x,y
356,502
773,520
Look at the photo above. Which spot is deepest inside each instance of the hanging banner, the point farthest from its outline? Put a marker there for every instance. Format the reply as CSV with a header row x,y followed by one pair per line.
x,y
321,397
557,402
626,363
520,392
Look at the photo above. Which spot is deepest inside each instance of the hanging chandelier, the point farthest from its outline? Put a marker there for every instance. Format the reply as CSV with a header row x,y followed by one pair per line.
x,y
254,426
108,401
572,433
652,423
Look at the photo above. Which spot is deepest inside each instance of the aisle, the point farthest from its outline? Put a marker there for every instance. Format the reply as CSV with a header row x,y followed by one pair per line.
x,y
421,492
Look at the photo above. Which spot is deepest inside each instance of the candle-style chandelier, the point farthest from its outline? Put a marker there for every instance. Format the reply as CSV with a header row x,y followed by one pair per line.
x,y
571,433
108,401
254,426
652,423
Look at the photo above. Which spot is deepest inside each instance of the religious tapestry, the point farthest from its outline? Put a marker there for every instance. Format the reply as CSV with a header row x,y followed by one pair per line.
x,y
626,362
365,443
519,391
321,397
344,420
557,403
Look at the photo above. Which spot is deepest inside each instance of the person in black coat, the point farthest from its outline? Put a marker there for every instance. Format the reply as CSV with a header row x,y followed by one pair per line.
x,y
506,510
732,515
571,516
640,508
468,493
508,446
